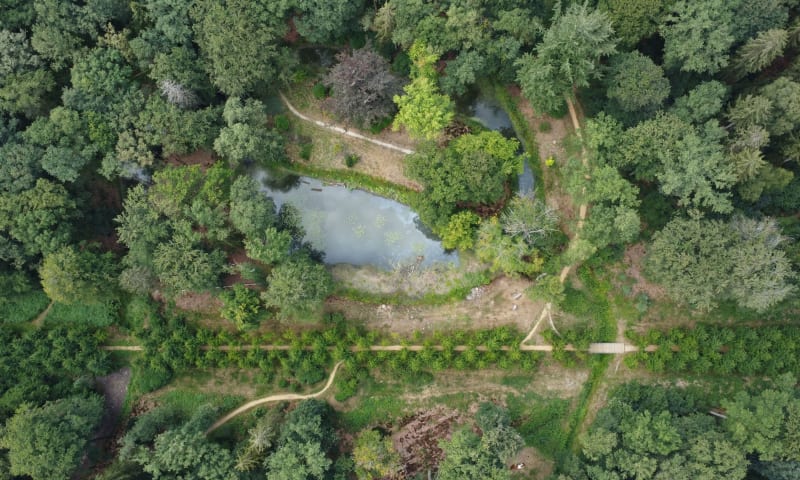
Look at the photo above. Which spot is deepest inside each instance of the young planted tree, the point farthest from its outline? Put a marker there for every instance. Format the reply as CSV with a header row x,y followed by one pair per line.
x,y
362,87
567,57
241,306
423,110
297,288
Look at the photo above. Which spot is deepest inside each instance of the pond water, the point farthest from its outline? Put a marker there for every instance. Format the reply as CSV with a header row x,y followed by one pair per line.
x,y
356,227
492,116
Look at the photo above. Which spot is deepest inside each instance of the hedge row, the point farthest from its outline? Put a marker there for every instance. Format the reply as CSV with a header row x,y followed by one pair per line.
x,y
766,350
171,345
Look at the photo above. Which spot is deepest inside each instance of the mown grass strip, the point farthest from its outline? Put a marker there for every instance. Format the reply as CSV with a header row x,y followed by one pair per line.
x,y
457,293
523,131
354,179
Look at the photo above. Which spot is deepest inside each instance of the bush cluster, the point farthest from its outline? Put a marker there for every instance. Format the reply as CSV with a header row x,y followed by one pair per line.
x,y
768,350
171,345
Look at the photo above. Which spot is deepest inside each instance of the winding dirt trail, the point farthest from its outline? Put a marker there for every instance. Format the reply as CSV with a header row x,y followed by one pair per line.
x,y
343,130
272,398
39,320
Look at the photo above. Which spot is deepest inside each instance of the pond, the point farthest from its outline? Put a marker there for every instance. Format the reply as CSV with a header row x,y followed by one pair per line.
x,y
491,115
356,227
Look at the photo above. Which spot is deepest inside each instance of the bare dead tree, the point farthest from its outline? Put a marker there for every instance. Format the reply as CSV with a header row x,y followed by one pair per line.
x,y
177,94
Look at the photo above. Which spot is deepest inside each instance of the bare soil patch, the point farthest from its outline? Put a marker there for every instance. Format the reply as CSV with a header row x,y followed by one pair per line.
x,y
330,149
500,303
303,99
204,158
410,278
225,381
417,440
199,302
114,387
634,255
554,380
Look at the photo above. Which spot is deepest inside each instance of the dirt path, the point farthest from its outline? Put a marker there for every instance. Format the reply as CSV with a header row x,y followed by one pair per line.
x,y
602,348
272,398
343,130
39,320
114,387
500,303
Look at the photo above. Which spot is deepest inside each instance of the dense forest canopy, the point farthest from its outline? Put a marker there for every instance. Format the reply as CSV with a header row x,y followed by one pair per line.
x,y
128,128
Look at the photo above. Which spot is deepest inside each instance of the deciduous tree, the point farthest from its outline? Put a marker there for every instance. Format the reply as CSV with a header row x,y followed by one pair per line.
x,y
423,111
72,275
375,457
47,442
324,21
362,87
240,39
702,261
297,287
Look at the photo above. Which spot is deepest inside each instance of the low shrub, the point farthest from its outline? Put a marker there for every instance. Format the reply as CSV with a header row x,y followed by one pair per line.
x,y
380,125
282,123
305,151
320,91
351,159
545,126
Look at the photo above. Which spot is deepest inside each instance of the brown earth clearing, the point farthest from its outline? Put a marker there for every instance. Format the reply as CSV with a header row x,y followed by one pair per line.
x,y
500,303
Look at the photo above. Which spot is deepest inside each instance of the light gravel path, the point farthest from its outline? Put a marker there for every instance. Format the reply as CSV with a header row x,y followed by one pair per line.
x,y
343,130
272,398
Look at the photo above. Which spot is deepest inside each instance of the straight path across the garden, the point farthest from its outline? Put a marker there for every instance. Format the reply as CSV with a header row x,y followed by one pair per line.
x,y
595,348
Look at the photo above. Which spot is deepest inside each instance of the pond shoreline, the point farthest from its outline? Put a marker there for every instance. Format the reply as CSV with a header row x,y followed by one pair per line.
x,y
355,226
